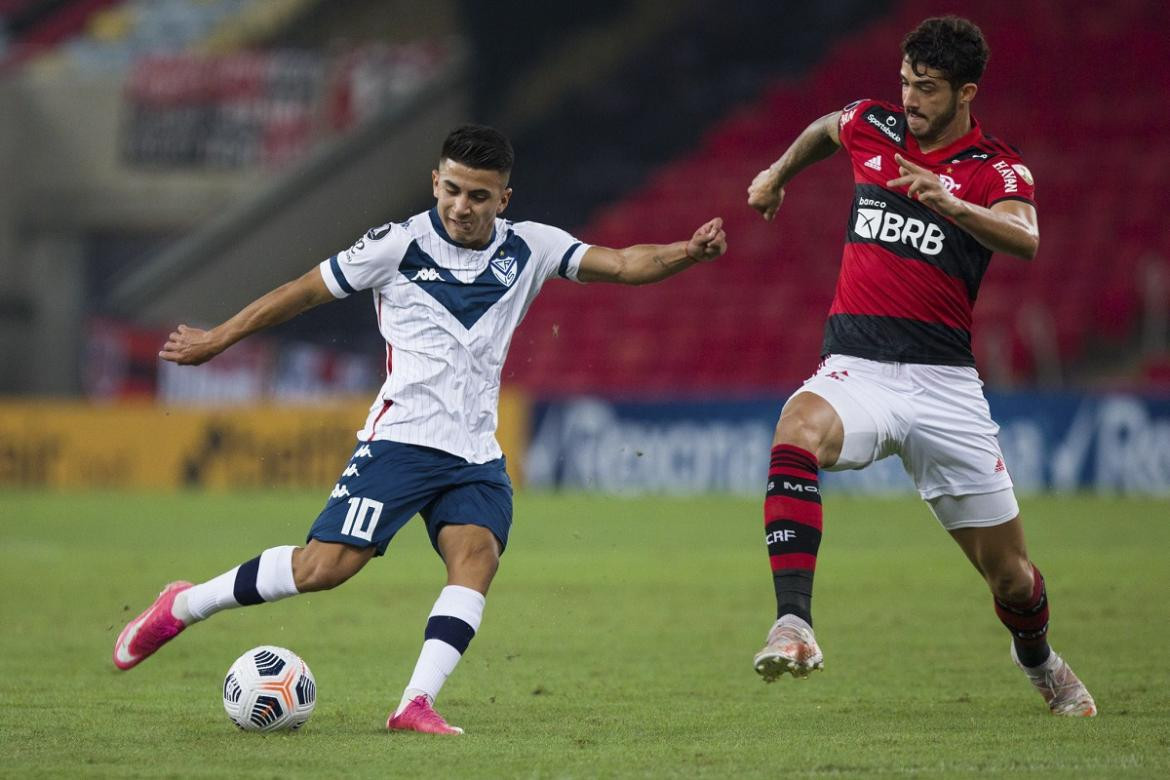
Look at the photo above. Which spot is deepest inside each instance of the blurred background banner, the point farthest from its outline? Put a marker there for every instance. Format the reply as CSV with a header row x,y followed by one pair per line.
x,y
134,446
1115,443
74,446
168,161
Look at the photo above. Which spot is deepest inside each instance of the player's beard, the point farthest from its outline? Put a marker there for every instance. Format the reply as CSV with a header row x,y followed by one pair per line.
x,y
937,126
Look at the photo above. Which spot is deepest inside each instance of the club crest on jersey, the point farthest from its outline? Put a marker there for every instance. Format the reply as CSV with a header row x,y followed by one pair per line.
x,y
948,182
504,269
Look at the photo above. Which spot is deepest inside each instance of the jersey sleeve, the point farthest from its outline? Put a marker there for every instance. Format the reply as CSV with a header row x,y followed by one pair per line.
x,y
371,262
558,252
847,124
1007,178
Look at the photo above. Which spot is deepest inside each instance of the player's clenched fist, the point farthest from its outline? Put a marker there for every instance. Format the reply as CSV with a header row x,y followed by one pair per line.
x,y
765,193
708,242
189,347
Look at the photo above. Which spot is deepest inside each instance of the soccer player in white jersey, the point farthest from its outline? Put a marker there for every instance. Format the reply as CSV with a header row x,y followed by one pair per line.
x,y
450,285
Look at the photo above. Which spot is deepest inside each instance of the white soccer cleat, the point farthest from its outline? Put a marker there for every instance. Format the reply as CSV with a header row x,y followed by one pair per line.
x,y
791,648
1060,687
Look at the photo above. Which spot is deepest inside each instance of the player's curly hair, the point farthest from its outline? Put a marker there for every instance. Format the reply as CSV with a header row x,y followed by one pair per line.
x,y
950,44
479,146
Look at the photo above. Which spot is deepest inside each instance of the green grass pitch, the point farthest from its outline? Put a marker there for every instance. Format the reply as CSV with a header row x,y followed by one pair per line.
x,y
617,642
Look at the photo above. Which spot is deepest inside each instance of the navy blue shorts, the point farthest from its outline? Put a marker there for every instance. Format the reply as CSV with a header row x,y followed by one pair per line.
x,y
386,483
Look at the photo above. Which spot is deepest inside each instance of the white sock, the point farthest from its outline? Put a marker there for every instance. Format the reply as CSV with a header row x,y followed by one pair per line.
x,y
452,623
268,577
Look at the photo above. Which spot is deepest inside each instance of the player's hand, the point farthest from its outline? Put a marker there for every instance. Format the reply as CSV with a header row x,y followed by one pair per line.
x,y
189,347
708,242
765,194
925,187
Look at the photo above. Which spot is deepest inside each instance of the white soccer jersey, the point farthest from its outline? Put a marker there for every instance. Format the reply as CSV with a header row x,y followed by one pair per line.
x,y
447,314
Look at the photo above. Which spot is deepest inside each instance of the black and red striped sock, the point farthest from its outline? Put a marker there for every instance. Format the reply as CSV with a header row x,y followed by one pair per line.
x,y
792,528
1028,623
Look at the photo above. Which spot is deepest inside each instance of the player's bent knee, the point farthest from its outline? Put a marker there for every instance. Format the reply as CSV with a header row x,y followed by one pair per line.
x,y
810,422
472,555
323,566
1012,585
483,557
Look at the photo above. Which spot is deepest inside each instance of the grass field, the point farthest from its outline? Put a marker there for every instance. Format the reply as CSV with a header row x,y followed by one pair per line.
x,y
617,642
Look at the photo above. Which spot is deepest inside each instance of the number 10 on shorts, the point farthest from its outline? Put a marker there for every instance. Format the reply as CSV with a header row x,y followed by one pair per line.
x,y
362,518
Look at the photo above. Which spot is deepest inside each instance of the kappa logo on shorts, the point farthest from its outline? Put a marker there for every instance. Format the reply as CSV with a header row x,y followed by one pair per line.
x,y
350,471
339,491
363,452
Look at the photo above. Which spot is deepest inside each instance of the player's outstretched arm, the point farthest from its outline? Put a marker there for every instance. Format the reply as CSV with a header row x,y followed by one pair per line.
x,y
1009,226
818,141
648,263
191,346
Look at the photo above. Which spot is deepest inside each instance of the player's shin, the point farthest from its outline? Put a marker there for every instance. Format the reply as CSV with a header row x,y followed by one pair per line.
x,y
792,528
267,577
1028,623
450,628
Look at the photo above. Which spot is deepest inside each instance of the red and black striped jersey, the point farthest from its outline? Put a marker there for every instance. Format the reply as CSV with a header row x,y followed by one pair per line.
x,y
909,276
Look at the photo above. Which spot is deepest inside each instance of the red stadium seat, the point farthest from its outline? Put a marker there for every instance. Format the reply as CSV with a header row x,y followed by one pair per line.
x,y
752,321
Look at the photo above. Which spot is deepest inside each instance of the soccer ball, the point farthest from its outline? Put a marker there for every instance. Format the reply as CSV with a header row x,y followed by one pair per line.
x,y
269,688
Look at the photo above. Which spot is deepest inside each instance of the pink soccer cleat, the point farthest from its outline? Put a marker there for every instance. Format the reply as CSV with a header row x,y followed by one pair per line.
x,y
150,630
420,716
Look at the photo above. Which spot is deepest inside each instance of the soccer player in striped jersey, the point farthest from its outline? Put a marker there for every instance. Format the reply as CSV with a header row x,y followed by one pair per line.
x,y
934,197
450,286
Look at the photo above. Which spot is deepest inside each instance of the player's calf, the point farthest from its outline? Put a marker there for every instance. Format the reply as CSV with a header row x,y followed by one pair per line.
x,y
267,577
792,533
1027,620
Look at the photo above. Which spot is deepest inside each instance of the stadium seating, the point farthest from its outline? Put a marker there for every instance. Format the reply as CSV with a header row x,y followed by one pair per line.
x,y
264,107
1073,86
29,28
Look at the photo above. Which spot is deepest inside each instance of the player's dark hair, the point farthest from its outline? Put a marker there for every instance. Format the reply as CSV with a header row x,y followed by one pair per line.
x,y
949,44
478,146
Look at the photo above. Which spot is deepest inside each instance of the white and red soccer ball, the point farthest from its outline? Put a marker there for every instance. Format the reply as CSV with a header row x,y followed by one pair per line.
x,y
268,689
